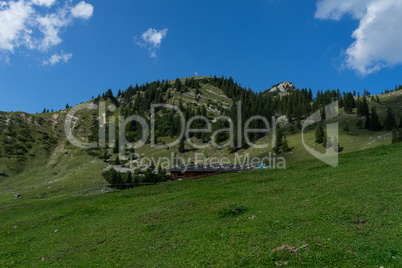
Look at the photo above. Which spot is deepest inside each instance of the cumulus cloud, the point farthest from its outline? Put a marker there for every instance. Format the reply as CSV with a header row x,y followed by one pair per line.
x,y
13,20
378,37
22,23
152,40
47,3
82,10
50,26
57,58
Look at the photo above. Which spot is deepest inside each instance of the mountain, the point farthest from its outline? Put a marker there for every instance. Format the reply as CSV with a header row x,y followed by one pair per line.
x,y
282,89
38,161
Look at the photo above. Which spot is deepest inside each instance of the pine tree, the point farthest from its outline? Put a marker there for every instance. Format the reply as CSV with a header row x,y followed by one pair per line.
x,y
67,106
359,108
177,84
375,121
114,178
326,143
319,134
105,156
364,108
400,121
181,146
116,148
129,181
367,124
349,103
285,145
119,180
279,137
390,121
116,161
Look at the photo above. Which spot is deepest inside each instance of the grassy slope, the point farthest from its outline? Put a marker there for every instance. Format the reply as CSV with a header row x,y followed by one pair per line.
x,y
47,170
349,215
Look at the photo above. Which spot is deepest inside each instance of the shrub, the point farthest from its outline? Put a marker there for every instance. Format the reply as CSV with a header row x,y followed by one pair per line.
x,y
231,211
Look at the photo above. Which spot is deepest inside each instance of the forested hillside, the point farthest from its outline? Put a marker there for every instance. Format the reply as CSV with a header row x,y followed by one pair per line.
x,y
34,150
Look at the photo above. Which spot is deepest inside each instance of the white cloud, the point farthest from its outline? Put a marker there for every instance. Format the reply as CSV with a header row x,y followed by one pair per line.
x,y
50,26
22,23
82,10
46,3
152,40
378,38
13,20
56,58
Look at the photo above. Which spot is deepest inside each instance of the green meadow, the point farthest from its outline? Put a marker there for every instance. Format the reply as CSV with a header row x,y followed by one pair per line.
x,y
348,216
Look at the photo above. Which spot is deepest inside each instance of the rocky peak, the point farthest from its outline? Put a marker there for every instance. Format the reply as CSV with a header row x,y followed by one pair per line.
x,y
282,87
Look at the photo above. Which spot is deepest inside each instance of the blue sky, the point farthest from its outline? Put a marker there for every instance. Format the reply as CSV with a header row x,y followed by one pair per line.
x,y
60,52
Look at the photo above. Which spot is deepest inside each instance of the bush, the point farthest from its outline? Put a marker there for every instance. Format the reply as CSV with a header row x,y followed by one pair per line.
x,y
231,211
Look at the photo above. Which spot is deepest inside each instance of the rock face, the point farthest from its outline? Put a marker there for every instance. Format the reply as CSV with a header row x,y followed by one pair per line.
x,y
282,88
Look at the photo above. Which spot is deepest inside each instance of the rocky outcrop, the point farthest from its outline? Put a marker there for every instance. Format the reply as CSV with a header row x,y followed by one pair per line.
x,y
282,88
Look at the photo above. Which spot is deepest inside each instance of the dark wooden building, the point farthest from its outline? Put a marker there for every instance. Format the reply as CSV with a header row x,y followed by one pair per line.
x,y
194,171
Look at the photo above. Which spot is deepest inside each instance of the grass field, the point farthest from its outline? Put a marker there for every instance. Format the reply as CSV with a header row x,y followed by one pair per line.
x,y
349,216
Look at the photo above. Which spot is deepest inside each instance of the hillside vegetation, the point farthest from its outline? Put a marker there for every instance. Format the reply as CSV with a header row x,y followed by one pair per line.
x,y
37,161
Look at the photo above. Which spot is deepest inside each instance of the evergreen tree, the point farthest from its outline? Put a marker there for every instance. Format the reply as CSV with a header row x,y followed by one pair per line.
x,y
181,146
364,108
400,121
279,137
116,161
116,145
177,84
129,181
105,156
319,134
375,121
390,121
325,141
359,108
285,145
119,181
114,178
367,124
67,106
349,103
